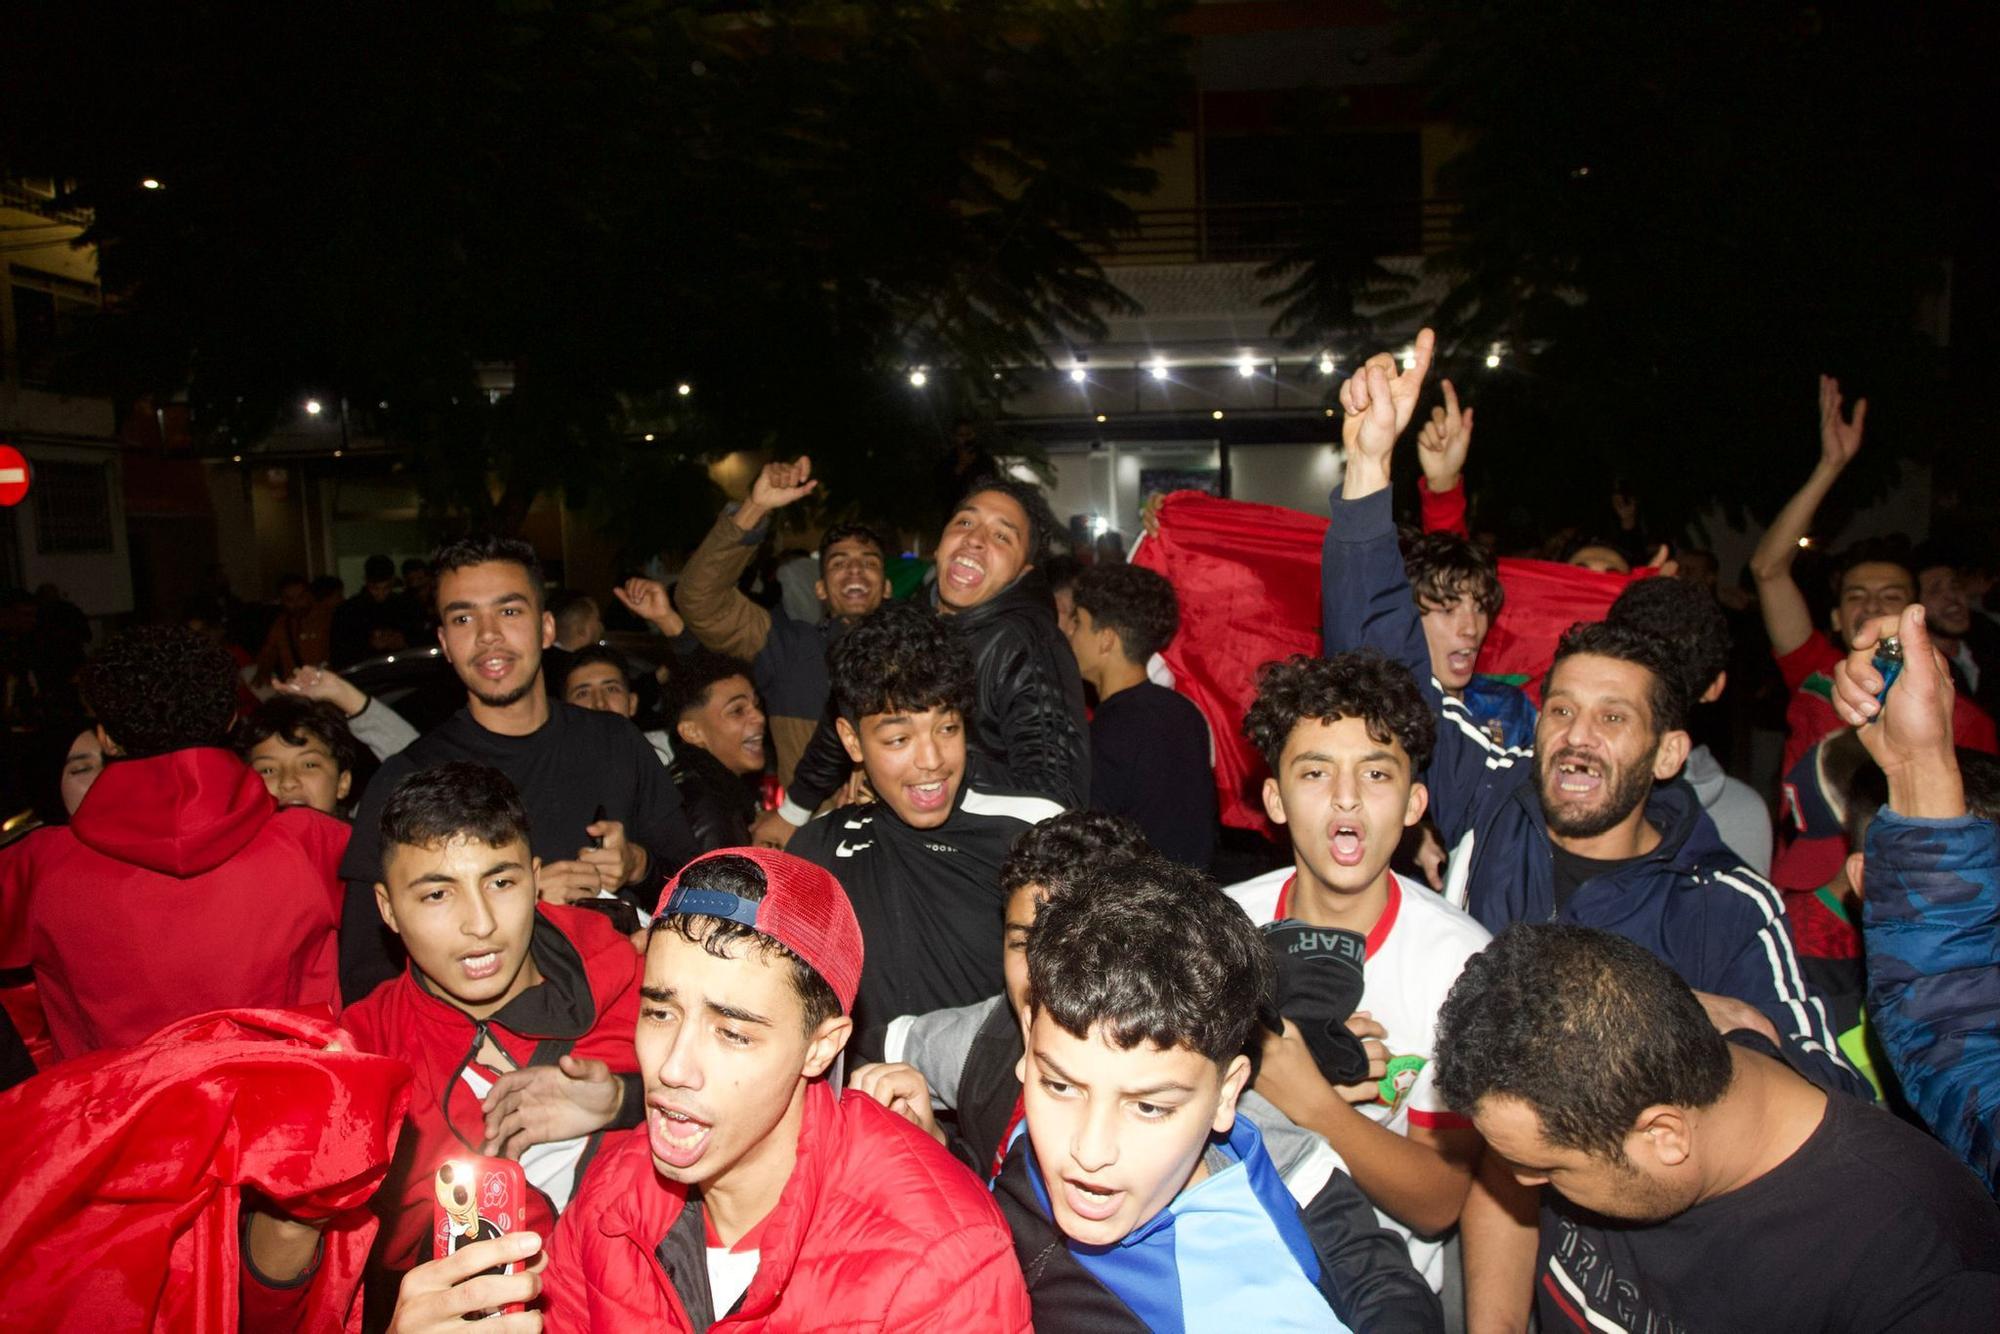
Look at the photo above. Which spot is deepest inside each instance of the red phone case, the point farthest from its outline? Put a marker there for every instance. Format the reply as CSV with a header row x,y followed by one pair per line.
x,y
477,1199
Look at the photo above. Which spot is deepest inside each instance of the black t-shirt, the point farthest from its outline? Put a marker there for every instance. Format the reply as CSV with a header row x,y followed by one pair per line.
x,y
1572,871
928,900
1870,1226
1149,762
576,762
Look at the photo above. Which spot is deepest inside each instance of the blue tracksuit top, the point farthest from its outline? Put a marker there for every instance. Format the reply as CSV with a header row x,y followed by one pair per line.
x,y
1690,901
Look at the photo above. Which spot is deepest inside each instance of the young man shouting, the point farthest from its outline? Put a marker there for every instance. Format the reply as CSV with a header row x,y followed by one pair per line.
x,y
1138,1196
753,1198
1345,738
515,1017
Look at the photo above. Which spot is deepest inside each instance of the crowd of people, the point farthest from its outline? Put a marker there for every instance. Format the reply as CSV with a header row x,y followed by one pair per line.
x,y
870,964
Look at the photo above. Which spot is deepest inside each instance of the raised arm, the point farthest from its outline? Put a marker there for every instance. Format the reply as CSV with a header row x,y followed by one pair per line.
x,y
718,613
1442,445
1786,618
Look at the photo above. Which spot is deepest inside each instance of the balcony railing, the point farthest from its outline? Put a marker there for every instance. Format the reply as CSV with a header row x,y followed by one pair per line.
x,y
1225,233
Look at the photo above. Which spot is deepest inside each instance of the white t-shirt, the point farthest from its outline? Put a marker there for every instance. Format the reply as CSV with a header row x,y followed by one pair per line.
x,y
550,1168
729,1275
1416,951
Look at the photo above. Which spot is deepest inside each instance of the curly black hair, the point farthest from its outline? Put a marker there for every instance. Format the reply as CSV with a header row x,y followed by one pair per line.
x,y
161,688
484,549
1154,952
1051,853
746,880
1042,525
1136,603
1360,684
453,799
1666,691
694,676
900,657
1688,619
1444,567
292,720
1585,1027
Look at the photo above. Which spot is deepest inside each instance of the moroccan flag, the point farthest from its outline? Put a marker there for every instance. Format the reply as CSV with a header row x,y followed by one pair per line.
x,y
1248,581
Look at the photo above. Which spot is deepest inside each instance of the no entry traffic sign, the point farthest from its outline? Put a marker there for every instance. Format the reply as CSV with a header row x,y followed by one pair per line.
x,y
14,476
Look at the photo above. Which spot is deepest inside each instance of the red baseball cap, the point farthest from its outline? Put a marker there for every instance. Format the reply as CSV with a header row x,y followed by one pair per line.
x,y
803,908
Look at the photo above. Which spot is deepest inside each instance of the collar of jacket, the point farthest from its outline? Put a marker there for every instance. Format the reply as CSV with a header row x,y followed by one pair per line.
x,y
645,1210
561,1007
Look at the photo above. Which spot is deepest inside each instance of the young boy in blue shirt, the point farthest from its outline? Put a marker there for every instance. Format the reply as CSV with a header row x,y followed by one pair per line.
x,y
1137,1196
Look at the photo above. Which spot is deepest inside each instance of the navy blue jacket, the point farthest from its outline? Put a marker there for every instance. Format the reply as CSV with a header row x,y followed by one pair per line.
x,y
1690,901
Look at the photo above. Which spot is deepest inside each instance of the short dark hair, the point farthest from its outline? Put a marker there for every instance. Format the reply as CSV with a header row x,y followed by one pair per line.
x,y
1936,554
745,879
484,549
1064,846
844,532
1042,525
1444,567
592,655
459,798
1666,692
1583,1026
1135,603
900,657
328,586
571,609
292,719
1865,790
1687,619
694,677
413,564
158,688
1361,683
286,581
377,568
1153,952
1891,550
1060,572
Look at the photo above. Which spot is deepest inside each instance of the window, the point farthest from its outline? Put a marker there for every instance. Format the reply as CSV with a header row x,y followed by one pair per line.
x,y
72,508
46,310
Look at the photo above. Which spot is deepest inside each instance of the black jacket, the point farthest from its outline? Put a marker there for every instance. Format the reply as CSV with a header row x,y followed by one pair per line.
x,y
1029,724
719,804
1365,1271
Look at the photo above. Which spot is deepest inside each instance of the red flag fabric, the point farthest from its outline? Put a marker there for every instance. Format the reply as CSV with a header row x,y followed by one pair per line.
x,y
1248,581
125,1170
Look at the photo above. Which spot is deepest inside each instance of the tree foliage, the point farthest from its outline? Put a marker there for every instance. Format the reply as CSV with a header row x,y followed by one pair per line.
x,y
1675,215
785,206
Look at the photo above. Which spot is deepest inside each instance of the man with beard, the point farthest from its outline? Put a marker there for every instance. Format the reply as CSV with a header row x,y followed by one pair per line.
x,y
604,813
1591,827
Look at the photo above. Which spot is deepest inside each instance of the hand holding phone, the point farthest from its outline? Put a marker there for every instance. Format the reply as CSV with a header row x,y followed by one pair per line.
x,y
478,1199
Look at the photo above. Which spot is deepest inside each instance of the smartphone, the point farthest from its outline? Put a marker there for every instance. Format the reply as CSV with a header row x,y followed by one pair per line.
x,y
478,1199
597,840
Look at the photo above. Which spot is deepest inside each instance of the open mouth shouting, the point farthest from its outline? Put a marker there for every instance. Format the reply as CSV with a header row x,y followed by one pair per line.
x,y
480,967
494,666
1460,661
678,1138
930,795
1574,776
1091,1201
964,573
1348,842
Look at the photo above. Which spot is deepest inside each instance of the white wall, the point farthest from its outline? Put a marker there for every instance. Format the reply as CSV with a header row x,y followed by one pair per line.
x,y
100,582
1295,476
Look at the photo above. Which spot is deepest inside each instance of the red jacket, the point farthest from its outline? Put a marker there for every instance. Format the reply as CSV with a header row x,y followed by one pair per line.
x,y
179,887
125,1173
878,1228
587,1006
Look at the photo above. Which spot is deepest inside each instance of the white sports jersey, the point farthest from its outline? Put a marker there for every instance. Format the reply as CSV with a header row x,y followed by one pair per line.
x,y
1416,951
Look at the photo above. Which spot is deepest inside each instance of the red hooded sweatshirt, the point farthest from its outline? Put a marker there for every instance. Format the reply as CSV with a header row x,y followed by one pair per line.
x,y
587,1006
178,887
